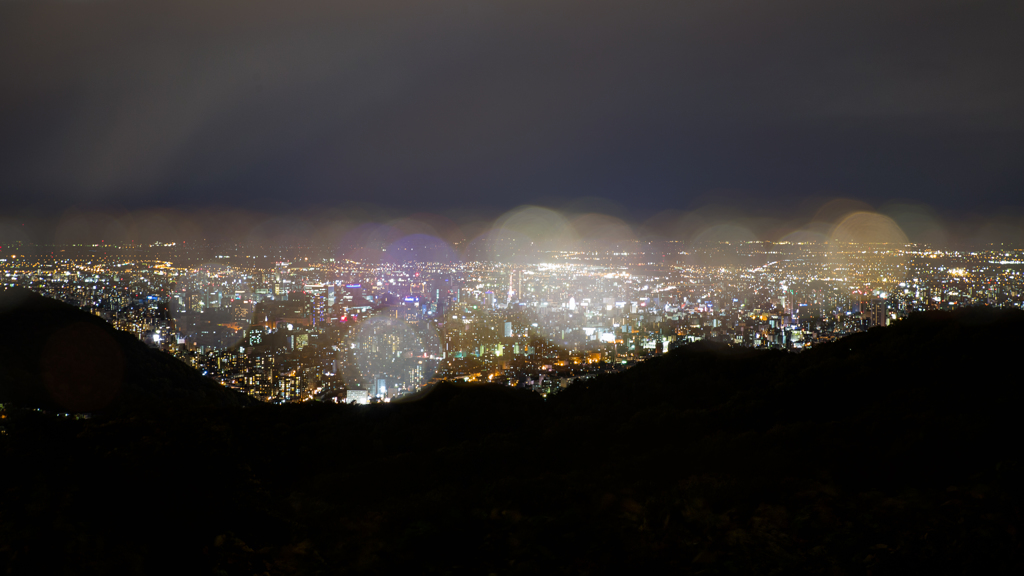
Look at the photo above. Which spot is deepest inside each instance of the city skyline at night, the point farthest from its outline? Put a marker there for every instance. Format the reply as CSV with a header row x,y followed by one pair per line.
x,y
511,287
387,318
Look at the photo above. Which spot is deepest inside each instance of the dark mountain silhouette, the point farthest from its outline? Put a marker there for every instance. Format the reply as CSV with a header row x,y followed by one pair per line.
x,y
890,452
57,357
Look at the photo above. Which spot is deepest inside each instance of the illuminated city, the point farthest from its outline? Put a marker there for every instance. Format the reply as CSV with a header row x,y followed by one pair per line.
x,y
511,288
315,327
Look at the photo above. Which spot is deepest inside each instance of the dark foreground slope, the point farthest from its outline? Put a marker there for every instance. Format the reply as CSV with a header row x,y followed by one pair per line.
x,y
57,357
891,452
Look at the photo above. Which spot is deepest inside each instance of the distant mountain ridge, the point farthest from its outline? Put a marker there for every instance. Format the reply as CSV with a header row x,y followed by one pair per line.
x,y
57,357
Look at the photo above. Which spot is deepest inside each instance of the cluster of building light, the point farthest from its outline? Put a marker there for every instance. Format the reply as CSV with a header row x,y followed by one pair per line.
x,y
297,328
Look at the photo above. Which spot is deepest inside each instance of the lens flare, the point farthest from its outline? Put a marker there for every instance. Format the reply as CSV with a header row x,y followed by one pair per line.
x,y
836,209
393,356
537,230
805,236
868,228
602,232
919,222
726,233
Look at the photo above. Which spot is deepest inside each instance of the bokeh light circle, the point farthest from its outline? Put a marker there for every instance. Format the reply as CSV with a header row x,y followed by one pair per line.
x,y
392,356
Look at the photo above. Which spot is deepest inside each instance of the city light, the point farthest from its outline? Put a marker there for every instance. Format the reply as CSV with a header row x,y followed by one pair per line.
x,y
303,326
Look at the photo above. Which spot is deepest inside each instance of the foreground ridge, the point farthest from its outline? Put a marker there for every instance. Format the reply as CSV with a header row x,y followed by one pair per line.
x,y
887,451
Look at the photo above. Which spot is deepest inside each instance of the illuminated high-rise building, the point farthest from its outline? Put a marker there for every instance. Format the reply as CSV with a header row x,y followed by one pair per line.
x,y
878,312
318,296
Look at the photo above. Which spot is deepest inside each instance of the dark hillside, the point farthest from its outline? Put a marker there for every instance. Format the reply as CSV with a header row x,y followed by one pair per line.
x,y
57,357
890,452
942,374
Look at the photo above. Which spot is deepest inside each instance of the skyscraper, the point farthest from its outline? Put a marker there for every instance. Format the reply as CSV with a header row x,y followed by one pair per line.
x,y
878,312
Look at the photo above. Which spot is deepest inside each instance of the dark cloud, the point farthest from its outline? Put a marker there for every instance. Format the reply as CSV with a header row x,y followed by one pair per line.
x,y
489,104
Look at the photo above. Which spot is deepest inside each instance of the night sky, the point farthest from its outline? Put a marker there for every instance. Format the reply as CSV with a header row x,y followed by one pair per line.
x,y
475,107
